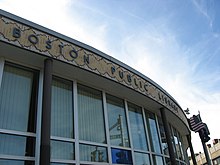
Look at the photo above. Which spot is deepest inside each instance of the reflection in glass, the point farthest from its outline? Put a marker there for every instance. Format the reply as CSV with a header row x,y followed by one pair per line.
x,y
157,160
62,150
181,146
152,129
62,108
17,145
163,137
141,159
167,160
15,162
17,96
91,117
172,140
176,142
117,121
137,127
181,163
93,153
120,156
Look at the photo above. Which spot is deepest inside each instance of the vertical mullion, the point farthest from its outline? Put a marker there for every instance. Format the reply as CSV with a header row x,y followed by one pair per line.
x,y
158,130
148,136
39,114
46,112
76,124
160,140
107,127
129,129
173,140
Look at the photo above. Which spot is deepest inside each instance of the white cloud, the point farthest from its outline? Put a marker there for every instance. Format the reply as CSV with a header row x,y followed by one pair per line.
x,y
60,16
160,57
205,8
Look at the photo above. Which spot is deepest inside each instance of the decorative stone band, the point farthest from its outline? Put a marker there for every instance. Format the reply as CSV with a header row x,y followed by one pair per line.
x,y
38,41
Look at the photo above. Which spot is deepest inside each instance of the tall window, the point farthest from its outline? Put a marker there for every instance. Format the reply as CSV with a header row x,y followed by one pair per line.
x,y
173,141
62,108
91,117
177,144
18,98
91,125
153,132
137,127
62,128
117,122
181,146
163,137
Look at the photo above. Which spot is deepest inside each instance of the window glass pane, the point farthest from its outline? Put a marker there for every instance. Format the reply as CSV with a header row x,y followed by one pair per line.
x,y
168,162
181,147
91,117
15,99
141,159
158,160
120,156
137,127
62,150
176,141
163,137
152,129
15,162
172,139
62,108
93,153
117,122
17,145
216,161
182,163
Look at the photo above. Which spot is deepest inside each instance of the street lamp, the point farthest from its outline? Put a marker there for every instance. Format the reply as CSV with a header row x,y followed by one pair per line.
x,y
187,111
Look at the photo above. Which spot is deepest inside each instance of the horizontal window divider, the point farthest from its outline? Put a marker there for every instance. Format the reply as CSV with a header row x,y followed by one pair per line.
x,y
93,143
182,161
95,163
142,151
166,156
119,147
19,133
157,154
62,139
14,157
62,161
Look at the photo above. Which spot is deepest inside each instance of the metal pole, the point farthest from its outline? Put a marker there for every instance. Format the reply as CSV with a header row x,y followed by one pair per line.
x,y
46,114
205,149
191,150
168,136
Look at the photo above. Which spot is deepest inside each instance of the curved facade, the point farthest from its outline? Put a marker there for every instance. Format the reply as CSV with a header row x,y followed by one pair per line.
x,y
64,102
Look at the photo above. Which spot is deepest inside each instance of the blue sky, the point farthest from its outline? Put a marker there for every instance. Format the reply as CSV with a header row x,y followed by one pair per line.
x,y
175,43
